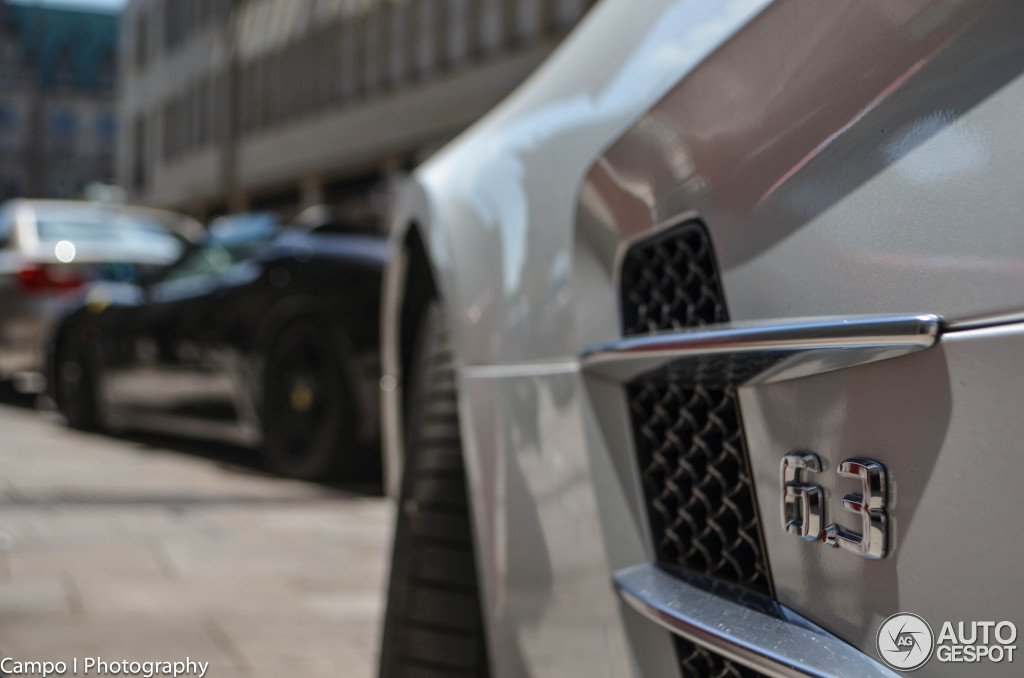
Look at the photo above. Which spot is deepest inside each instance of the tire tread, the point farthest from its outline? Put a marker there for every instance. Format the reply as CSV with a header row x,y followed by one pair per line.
x,y
434,625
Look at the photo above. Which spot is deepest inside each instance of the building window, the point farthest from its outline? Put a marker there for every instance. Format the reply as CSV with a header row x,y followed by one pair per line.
x,y
141,41
172,129
250,89
370,58
459,30
173,20
64,71
107,78
203,114
139,153
106,129
63,125
442,29
353,54
182,18
8,118
11,137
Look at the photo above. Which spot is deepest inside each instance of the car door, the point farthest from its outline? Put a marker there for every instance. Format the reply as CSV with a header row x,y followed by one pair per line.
x,y
158,367
185,364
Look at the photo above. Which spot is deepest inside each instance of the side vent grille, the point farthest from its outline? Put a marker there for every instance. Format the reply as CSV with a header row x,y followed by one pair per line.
x,y
688,433
699,662
670,282
693,464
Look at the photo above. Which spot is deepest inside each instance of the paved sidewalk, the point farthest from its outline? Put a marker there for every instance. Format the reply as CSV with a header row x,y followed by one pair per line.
x,y
130,550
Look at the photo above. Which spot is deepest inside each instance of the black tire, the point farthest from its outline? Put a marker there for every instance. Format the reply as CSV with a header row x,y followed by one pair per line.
x,y
75,381
308,409
434,624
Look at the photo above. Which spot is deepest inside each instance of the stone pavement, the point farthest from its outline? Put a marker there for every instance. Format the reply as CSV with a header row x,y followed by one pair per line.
x,y
136,548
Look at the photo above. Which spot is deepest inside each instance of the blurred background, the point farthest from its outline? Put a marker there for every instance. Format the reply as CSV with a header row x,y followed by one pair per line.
x,y
193,220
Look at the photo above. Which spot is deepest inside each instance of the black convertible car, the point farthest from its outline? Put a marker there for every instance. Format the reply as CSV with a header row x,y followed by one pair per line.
x,y
262,335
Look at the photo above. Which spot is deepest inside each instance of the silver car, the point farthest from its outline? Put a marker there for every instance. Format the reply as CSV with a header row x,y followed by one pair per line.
x,y
703,353
49,249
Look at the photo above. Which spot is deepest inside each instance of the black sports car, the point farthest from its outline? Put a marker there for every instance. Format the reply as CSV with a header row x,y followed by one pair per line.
x,y
262,335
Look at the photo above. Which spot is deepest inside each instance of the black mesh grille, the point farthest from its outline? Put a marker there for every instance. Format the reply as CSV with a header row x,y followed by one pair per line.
x,y
699,662
687,428
671,282
693,466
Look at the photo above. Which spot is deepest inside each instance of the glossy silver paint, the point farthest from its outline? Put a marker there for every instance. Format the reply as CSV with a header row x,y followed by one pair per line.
x,y
849,159
945,423
780,645
508,187
547,543
28,319
495,210
869,200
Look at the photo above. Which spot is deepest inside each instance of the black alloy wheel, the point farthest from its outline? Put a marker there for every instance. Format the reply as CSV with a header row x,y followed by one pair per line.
x,y
308,415
75,381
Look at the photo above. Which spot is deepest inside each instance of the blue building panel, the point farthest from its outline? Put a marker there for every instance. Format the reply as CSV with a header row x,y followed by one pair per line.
x,y
67,47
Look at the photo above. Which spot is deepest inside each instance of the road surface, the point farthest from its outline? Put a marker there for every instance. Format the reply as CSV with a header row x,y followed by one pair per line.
x,y
153,549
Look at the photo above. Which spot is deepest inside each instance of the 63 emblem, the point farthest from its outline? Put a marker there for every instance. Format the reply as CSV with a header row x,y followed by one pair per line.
x,y
803,504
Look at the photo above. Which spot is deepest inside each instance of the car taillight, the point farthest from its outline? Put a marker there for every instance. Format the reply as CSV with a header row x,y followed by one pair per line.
x,y
39,279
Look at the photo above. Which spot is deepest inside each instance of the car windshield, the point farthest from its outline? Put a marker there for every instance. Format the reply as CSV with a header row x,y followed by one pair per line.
x,y
113,232
231,240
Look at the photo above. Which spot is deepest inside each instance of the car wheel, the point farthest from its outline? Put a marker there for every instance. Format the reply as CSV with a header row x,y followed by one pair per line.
x,y
434,624
308,411
75,380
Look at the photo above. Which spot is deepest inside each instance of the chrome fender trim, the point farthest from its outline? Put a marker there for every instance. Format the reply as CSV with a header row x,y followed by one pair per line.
x,y
783,648
740,354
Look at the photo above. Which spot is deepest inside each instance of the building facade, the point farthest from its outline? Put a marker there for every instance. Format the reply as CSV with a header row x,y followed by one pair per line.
x,y
58,103
231,105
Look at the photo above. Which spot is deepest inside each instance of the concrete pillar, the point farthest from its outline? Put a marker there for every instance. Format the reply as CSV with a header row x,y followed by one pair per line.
x,y
311,190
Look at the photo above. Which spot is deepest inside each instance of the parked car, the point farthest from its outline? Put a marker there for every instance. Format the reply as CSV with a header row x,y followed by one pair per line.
x,y
702,353
260,336
50,248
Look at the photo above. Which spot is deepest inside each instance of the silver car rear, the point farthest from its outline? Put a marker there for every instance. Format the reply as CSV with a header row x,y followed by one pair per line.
x,y
50,249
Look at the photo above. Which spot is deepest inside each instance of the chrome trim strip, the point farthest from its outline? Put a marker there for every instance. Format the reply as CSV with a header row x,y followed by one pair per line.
x,y
793,648
508,370
738,354
986,321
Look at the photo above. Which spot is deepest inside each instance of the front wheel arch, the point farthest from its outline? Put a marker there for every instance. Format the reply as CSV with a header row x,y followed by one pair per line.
x,y
409,290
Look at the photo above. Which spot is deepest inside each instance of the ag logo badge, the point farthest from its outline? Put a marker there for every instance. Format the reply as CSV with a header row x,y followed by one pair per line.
x,y
905,641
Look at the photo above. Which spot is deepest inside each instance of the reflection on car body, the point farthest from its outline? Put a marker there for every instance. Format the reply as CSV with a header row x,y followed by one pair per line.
x,y
723,315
